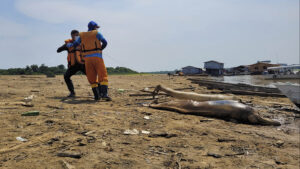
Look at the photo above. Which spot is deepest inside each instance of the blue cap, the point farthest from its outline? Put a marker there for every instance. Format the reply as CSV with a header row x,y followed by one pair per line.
x,y
92,25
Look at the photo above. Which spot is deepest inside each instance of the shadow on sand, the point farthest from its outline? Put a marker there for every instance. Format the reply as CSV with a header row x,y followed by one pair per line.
x,y
75,100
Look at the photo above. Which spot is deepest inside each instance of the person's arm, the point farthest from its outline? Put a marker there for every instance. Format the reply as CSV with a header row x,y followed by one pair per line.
x,y
75,43
102,40
62,48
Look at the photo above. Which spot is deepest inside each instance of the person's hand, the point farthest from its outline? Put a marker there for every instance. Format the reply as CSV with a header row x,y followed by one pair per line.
x,y
62,48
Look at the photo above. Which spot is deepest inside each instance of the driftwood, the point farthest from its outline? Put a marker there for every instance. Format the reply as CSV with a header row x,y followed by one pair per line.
x,y
253,93
143,94
150,93
191,95
242,89
184,88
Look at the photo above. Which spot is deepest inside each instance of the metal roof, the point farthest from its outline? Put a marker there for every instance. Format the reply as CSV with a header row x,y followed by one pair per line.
x,y
284,67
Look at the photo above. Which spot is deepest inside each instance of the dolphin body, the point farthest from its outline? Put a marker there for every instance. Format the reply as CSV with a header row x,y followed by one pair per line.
x,y
218,106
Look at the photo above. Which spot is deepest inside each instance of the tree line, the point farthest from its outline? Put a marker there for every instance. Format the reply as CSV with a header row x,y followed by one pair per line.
x,y
56,70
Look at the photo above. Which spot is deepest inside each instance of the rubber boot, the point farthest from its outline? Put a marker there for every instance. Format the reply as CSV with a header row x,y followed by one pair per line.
x,y
104,91
100,91
96,93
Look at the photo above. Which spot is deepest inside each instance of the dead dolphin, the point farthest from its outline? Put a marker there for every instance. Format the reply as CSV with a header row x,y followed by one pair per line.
x,y
192,95
223,109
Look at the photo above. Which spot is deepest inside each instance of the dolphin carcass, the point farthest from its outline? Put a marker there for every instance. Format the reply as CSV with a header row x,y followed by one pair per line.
x,y
218,106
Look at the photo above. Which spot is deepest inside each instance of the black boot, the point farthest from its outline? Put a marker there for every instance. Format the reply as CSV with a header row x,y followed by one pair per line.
x,y
96,93
100,91
72,94
70,85
104,91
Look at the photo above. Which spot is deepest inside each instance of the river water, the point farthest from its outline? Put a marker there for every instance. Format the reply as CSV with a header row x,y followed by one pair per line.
x,y
253,80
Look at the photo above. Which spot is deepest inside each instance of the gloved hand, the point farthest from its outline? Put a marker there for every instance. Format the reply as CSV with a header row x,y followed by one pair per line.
x,y
62,48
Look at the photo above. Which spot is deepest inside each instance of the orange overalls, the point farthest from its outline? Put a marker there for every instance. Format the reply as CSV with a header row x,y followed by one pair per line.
x,y
92,53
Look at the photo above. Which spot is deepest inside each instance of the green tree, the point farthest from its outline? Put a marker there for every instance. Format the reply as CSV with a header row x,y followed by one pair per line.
x,y
61,67
43,69
34,68
28,70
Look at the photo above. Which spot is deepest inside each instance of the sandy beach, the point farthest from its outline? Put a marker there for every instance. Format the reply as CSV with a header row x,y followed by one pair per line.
x,y
82,133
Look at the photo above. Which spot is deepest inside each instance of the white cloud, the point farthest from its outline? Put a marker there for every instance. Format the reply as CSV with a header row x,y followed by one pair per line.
x,y
67,11
166,34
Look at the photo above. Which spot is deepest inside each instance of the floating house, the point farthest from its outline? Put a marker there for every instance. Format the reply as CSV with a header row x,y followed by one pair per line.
x,y
260,67
214,68
190,70
239,70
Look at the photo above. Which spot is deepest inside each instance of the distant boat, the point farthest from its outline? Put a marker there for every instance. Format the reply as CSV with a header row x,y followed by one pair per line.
x,y
292,91
282,72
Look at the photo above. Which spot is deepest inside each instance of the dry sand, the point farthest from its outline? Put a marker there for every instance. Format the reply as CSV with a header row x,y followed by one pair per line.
x,y
92,132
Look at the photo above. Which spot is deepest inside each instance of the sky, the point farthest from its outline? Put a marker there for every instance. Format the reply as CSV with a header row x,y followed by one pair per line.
x,y
153,35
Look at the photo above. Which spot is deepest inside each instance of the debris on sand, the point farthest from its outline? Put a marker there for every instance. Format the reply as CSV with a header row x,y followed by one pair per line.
x,y
29,98
88,133
52,140
145,132
121,90
103,143
279,143
290,109
131,132
69,154
135,132
30,113
281,160
49,122
21,139
145,94
144,104
146,89
236,154
108,148
206,120
162,134
147,117
81,142
215,155
27,104
147,113
55,107
225,139
66,165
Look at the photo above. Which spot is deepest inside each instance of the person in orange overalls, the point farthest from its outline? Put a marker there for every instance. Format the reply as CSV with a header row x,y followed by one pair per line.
x,y
92,44
75,62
